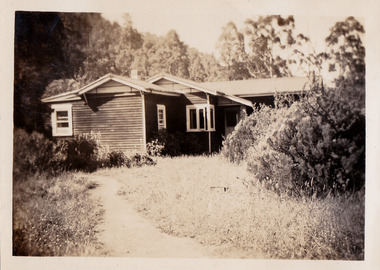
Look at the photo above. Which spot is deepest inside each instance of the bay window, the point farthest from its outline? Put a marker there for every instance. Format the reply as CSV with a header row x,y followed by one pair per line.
x,y
199,117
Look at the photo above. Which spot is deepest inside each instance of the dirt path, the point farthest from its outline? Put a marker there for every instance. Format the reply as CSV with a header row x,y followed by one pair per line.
x,y
125,233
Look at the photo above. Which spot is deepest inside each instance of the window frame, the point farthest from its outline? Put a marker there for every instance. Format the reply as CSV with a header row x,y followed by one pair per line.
x,y
163,108
199,108
62,131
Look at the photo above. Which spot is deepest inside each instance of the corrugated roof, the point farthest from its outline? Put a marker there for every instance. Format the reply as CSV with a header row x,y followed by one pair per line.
x,y
260,87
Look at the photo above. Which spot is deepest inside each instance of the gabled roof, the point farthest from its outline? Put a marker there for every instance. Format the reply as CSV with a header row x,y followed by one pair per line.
x,y
133,83
199,87
261,87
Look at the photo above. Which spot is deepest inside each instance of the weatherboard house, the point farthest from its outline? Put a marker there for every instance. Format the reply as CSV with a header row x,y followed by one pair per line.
x,y
128,112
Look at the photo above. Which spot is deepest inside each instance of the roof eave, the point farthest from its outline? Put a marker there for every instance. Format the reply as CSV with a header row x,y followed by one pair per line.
x,y
179,81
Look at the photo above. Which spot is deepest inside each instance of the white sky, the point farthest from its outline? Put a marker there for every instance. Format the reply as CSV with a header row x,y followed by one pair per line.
x,y
199,23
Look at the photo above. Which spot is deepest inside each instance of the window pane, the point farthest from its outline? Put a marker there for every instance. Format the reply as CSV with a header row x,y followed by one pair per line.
x,y
206,120
201,119
62,115
193,119
212,117
63,125
160,115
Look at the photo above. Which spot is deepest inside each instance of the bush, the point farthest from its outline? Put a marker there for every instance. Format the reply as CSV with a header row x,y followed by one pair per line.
x,y
326,141
139,160
246,134
155,148
80,154
32,153
118,159
176,144
314,146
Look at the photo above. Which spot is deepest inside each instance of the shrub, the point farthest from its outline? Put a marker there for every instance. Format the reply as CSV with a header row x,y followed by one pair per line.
x,y
32,153
246,134
311,146
118,159
80,153
326,140
154,148
142,159
178,143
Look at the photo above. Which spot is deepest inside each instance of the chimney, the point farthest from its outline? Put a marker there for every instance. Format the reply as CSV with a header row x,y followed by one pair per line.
x,y
135,74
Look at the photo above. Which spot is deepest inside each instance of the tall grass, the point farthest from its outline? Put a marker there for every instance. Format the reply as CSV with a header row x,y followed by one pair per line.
x,y
54,216
219,203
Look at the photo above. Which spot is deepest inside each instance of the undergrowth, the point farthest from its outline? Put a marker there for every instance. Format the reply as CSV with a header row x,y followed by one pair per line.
x,y
54,216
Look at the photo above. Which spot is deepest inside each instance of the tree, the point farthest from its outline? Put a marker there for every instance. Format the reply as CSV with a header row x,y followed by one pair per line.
x,y
125,49
267,37
345,52
232,53
42,42
203,67
260,51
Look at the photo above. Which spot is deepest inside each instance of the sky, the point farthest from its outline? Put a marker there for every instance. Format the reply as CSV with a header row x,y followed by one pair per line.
x,y
199,23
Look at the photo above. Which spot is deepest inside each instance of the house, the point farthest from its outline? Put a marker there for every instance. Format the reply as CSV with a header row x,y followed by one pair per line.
x,y
128,112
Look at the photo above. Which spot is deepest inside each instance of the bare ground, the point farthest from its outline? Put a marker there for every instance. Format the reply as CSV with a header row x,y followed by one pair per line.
x,y
123,232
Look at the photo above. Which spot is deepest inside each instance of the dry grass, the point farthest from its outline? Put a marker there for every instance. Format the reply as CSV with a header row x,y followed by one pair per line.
x,y
185,196
54,217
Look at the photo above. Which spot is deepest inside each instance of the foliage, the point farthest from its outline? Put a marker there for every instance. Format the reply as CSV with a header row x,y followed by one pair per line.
x,y
154,148
81,153
178,143
247,220
118,159
258,50
139,160
314,147
232,53
50,37
317,145
246,133
54,217
36,154
345,52
33,153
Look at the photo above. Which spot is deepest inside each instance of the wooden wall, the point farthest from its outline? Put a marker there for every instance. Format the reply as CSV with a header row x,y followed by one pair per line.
x,y
118,119
175,114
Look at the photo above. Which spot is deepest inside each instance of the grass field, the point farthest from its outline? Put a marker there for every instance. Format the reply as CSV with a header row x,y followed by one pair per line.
x,y
219,203
54,216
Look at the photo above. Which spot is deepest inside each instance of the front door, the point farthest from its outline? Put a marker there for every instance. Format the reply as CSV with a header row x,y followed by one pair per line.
x,y
231,118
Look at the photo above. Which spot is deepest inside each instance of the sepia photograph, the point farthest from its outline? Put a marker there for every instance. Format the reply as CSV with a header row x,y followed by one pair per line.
x,y
207,130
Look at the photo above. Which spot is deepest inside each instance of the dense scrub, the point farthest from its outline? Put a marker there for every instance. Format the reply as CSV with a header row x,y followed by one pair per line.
x,y
313,146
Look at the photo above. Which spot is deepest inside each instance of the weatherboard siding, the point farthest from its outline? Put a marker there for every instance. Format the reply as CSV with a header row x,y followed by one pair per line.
x,y
175,114
118,119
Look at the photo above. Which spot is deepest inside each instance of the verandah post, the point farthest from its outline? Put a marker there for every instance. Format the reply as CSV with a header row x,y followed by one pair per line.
x,y
208,123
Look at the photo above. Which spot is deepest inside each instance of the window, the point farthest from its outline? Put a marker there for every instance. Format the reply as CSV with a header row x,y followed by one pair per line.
x,y
61,119
161,116
197,117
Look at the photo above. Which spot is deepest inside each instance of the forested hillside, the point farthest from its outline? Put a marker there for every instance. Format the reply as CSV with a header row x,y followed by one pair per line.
x,y
59,52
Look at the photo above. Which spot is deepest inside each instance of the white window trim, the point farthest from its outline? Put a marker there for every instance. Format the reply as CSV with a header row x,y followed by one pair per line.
x,y
163,108
62,131
198,107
